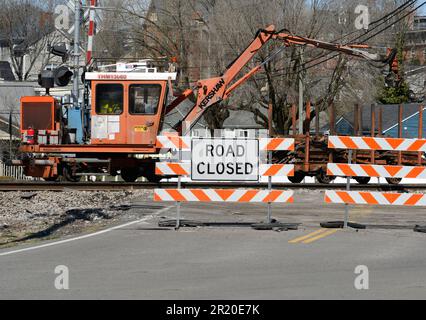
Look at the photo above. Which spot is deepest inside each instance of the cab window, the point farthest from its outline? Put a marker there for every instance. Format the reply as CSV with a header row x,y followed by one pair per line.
x,y
109,99
144,99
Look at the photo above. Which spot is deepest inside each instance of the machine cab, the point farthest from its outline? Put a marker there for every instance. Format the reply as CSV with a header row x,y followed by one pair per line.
x,y
127,106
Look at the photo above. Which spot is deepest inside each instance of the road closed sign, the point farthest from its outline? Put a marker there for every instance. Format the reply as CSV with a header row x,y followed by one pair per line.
x,y
225,160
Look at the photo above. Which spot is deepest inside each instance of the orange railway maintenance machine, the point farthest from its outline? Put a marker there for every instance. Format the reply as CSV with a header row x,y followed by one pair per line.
x,y
127,108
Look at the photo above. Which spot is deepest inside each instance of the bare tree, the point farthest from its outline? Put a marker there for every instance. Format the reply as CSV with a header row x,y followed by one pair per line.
x,y
26,25
205,35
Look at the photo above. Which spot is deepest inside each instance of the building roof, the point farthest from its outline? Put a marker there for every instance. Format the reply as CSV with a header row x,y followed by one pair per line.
x,y
240,119
390,116
10,95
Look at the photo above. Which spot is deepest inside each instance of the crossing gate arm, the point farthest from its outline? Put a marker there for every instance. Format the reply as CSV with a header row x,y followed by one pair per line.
x,y
376,144
223,195
375,171
375,198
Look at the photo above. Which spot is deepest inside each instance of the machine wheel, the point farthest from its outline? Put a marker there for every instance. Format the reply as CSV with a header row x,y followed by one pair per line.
x,y
153,178
393,181
68,175
129,175
323,178
51,179
298,177
362,180
149,173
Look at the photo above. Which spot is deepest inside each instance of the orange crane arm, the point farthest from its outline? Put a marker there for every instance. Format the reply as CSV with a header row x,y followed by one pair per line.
x,y
214,90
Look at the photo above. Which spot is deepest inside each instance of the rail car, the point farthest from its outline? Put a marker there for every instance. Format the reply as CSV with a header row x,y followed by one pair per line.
x,y
126,112
312,154
124,109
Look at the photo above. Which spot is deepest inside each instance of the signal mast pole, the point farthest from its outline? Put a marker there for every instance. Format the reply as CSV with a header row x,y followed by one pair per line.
x,y
76,53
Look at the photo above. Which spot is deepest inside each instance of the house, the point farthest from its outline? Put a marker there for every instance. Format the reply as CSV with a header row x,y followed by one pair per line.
x,y
390,115
415,47
191,47
10,95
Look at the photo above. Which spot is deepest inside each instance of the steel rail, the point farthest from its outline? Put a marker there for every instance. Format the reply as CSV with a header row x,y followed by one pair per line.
x,y
119,186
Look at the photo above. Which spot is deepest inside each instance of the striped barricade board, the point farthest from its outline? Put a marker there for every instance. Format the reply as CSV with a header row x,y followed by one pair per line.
x,y
174,143
184,169
375,171
225,195
184,143
375,198
173,169
276,144
377,144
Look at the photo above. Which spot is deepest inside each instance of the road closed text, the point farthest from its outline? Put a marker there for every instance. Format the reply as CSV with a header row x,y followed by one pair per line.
x,y
225,160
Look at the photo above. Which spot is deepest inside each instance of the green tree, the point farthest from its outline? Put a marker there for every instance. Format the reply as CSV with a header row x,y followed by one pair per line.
x,y
395,95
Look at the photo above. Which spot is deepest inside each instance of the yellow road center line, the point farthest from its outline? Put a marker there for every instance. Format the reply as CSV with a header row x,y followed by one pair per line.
x,y
300,239
321,236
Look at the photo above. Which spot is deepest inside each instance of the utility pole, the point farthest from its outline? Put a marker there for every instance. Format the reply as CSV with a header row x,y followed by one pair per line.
x,y
76,78
301,90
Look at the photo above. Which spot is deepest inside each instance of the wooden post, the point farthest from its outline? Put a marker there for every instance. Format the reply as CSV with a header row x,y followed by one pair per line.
x,y
332,110
270,119
360,127
373,130
356,119
317,120
400,130
308,138
294,119
307,126
380,125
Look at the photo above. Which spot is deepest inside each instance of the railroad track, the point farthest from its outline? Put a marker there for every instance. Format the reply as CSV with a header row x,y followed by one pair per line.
x,y
118,186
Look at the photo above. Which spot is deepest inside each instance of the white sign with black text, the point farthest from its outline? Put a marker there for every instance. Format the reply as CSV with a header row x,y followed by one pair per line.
x,y
225,160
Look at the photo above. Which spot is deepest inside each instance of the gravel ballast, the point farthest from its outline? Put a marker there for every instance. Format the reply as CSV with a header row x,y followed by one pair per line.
x,y
40,214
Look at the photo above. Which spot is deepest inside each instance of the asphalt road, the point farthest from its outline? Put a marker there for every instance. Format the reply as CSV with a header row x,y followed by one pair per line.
x,y
140,261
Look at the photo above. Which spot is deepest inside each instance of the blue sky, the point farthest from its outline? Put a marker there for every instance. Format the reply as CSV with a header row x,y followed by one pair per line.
x,y
423,9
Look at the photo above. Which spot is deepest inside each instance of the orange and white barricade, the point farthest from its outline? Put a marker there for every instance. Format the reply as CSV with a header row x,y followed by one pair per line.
x,y
375,198
174,143
374,171
184,143
184,169
276,170
226,195
276,144
173,169
181,169
383,144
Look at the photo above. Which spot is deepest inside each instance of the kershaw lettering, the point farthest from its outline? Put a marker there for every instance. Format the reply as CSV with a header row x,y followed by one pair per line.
x,y
212,93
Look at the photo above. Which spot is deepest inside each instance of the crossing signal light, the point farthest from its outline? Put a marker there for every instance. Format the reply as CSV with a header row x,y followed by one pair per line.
x,y
62,76
60,50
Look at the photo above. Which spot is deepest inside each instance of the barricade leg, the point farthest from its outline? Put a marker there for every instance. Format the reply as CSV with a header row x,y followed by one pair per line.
x,y
348,188
269,219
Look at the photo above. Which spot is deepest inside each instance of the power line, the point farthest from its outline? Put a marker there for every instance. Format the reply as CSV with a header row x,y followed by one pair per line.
x,y
357,38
